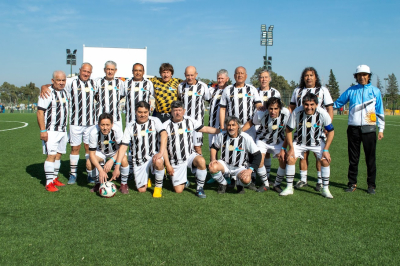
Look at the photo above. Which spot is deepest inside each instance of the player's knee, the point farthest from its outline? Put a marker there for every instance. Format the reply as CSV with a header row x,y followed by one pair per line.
x,y
89,165
159,164
200,163
324,163
213,168
179,189
291,161
124,162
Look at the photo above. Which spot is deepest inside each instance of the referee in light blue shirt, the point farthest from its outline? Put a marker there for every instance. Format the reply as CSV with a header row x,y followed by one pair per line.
x,y
365,112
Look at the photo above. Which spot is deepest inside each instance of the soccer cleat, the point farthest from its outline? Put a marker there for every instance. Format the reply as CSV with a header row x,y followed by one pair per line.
x,y
240,189
252,186
157,192
96,188
326,193
318,187
90,180
72,179
58,183
200,193
212,180
149,182
301,184
286,191
221,189
351,188
371,190
263,188
232,184
277,188
124,189
187,184
51,188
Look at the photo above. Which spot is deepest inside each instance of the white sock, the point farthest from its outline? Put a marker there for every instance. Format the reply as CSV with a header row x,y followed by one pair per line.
x,y
290,171
319,177
74,159
200,178
219,178
57,165
303,175
124,175
279,176
262,172
325,172
267,164
159,176
49,171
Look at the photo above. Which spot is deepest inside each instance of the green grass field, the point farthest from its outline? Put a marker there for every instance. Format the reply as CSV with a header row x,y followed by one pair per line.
x,y
76,227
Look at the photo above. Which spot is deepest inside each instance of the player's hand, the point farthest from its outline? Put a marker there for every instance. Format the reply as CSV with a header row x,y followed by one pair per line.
x,y
170,170
282,156
103,177
156,157
380,135
109,164
116,174
245,175
290,155
44,136
45,92
326,155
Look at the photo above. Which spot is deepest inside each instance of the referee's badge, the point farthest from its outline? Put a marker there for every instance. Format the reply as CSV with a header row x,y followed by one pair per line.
x,y
240,95
265,98
274,127
190,93
180,131
308,124
231,148
110,87
143,133
106,142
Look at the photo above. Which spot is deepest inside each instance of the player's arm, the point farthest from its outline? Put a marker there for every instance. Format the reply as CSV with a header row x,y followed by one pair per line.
x,y
168,165
222,114
292,106
247,125
209,130
45,91
289,141
282,153
329,138
120,155
163,146
42,125
329,109
93,159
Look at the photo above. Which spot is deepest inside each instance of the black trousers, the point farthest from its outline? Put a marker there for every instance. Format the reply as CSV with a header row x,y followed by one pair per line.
x,y
354,140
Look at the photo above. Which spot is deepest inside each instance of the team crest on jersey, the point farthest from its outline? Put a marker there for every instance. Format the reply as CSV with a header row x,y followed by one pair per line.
x,y
240,95
231,148
87,89
110,87
265,98
190,93
274,127
137,89
308,124
218,96
143,132
106,142
180,131
239,149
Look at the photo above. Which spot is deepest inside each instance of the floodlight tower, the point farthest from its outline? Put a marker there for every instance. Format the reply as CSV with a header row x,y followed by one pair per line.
x,y
71,58
267,40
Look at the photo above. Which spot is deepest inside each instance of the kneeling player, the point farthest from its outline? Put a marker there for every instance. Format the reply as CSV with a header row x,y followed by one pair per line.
x,y
104,143
180,153
270,139
234,145
52,117
310,121
144,134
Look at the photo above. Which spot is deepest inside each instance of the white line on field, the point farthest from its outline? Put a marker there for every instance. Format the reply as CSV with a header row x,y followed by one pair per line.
x,y
25,125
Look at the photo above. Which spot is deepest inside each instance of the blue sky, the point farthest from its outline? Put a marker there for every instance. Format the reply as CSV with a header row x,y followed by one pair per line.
x,y
210,35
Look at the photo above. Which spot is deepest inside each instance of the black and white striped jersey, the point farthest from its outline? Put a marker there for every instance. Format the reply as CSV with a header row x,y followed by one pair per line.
x,y
271,130
265,95
109,96
107,144
143,139
134,92
193,97
324,97
180,143
310,128
215,98
234,150
55,110
82,101
240,102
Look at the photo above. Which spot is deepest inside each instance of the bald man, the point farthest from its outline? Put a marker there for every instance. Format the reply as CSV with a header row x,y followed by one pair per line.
x,y
193,94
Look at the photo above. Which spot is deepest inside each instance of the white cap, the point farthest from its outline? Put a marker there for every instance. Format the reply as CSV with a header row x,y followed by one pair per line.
x,y
363,69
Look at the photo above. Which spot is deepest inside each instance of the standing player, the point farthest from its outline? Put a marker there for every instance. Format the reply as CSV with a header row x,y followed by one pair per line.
x,y
109,93
105,141
180,153
52,118
235,147
270,139
310,82
310,121
83,116
193,94
148,141
165,91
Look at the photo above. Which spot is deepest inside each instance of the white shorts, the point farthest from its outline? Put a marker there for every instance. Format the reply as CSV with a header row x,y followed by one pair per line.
x,y
211,139
104,156
252,132
233,171
180,170
198,138
274,149
299,150
77,132
56,143
141,173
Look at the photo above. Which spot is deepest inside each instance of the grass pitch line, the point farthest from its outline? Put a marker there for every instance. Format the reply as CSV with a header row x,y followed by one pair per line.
x,y
25,125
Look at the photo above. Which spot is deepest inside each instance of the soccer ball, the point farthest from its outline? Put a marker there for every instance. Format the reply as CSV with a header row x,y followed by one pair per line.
x,y
107,189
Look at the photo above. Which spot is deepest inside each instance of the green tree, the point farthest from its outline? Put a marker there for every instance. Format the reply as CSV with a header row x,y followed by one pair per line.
x,y
333,86
379,85
392,92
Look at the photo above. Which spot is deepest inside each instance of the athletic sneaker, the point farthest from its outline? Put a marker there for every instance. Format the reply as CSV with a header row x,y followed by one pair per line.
x,y
326,193
318,187
263,188
96,188
72,179
301,184
240,190
187,184
149,182
51,188
90,180
221,189
252,186
277,188
157,192
286,191
124,189
371,190
58,183
351,188
200,193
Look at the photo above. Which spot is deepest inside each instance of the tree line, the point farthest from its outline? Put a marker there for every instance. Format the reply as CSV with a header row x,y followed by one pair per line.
x,y
14,95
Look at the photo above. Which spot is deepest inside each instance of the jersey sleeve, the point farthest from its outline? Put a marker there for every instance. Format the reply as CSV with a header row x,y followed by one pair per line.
x,y
118,135
93,137
206,93
257,117
43,104
327,97
380,114
197,124
327,121
256,95
291,123
251,145
277,94
224,98
151,88
159,125
180,88
126,138
293,99
218,141
342,100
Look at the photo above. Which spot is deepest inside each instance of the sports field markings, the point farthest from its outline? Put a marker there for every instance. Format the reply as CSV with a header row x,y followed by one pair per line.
x,y
386,124
25,125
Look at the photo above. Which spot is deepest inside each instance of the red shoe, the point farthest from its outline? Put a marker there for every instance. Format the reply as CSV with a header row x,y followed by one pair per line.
x,y
95,188
124,189
51,188
58,183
